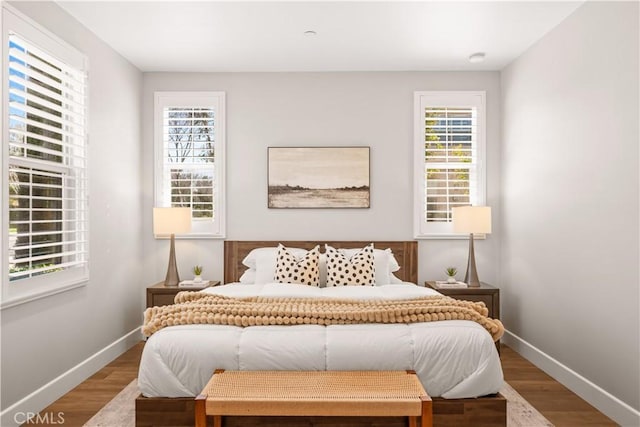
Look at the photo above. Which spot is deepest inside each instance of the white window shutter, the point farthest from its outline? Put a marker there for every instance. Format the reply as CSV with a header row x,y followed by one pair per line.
x,y
189,146
46,168
189,159
449,151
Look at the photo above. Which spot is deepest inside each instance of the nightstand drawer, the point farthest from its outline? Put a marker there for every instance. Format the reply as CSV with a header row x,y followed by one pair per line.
x,y
487,294
159,294
163,299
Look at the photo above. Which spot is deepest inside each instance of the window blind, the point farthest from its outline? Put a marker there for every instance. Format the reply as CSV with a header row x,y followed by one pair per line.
x,y
189,159
450,160
449,152
48,197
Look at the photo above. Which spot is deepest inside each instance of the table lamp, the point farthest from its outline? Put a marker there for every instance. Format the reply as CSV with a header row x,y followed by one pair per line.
x,y
472,219
169,221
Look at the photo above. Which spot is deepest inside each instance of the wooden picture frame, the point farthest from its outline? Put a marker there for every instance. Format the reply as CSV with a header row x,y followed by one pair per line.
x,y
318,177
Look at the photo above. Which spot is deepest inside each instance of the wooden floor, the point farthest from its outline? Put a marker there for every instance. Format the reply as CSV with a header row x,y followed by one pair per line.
x,y
552,399
84,401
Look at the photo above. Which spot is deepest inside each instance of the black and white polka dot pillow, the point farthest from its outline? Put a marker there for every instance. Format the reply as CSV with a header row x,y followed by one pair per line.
x,y
357,271
304,271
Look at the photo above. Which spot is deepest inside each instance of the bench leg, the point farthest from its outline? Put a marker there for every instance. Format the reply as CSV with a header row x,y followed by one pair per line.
x,y
217,421
201,411
413,421
427,412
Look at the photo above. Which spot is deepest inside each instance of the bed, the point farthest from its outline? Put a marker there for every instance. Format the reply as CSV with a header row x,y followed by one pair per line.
x,y
455,360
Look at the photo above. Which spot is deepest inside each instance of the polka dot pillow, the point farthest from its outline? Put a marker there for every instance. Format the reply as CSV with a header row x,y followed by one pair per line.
x,y
357,271
290,269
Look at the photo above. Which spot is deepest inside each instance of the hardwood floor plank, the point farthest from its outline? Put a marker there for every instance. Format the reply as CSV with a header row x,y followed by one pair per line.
x,y
556,402
573,418
562,407
85,400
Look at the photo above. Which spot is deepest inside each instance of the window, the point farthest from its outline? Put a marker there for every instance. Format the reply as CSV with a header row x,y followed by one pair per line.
x,y
449,158
45,227
189,151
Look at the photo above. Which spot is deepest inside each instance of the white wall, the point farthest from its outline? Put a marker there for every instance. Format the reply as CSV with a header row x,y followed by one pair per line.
x,y
43,339
316,109
569,257
561,240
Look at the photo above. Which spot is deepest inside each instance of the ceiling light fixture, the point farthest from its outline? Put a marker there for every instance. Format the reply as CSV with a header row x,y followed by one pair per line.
x,y
477,57
310,33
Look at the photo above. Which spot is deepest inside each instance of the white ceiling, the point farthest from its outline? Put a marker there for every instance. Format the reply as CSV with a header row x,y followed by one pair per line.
x,y
351,36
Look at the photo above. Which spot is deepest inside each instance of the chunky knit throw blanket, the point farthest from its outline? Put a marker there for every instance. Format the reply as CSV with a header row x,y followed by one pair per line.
x,y
202,308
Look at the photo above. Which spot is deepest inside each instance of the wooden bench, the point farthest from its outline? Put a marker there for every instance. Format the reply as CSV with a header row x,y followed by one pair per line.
x,y
314,393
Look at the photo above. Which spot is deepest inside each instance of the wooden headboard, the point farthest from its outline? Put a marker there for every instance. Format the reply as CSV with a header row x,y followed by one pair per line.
x,y
236,250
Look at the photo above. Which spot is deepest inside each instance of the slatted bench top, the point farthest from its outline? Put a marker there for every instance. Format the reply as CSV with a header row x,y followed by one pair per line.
x,y
315,393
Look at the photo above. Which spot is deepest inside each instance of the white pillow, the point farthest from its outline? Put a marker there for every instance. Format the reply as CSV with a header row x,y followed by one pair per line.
x,y
248,277
266,260
250,274
384,261
394,280
393,262
322,264
251,259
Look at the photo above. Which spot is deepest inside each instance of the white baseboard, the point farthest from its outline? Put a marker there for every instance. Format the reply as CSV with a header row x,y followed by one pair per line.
x,y
602,400
17,413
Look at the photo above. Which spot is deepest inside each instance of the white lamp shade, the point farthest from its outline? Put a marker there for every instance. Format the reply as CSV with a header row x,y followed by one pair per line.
x,y
472,219
171,220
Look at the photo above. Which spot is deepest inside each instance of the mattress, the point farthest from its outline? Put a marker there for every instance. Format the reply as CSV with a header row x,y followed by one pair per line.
x,y
453,359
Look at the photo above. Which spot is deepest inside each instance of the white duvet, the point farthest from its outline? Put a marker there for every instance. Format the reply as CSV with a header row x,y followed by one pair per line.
x,y
453,358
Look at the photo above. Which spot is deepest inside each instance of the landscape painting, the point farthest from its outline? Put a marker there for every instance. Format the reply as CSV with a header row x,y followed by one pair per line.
x,y
318,177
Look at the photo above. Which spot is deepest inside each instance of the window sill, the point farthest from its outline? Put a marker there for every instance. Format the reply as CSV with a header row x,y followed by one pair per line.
x,y
23,299
193,236
449,236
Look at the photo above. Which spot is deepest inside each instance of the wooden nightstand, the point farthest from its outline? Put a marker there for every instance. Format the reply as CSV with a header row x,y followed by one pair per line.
x,y
487,294
159,294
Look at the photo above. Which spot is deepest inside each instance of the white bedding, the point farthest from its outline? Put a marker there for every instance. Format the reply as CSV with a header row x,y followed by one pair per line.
x,y
453,359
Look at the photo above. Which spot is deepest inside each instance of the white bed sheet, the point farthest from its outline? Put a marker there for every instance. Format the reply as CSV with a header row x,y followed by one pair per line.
x,y
453,359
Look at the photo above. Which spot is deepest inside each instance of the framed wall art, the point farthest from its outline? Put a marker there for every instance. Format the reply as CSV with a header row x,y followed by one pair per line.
x,y
318,177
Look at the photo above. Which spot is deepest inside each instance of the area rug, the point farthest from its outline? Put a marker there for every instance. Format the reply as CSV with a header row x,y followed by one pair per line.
x,y
120,411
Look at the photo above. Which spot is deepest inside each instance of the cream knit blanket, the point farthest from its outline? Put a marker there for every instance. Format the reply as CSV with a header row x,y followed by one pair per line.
x,y
202,308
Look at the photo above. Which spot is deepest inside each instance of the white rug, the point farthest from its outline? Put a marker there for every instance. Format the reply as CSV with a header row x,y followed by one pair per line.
x,y
519,412
120,411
